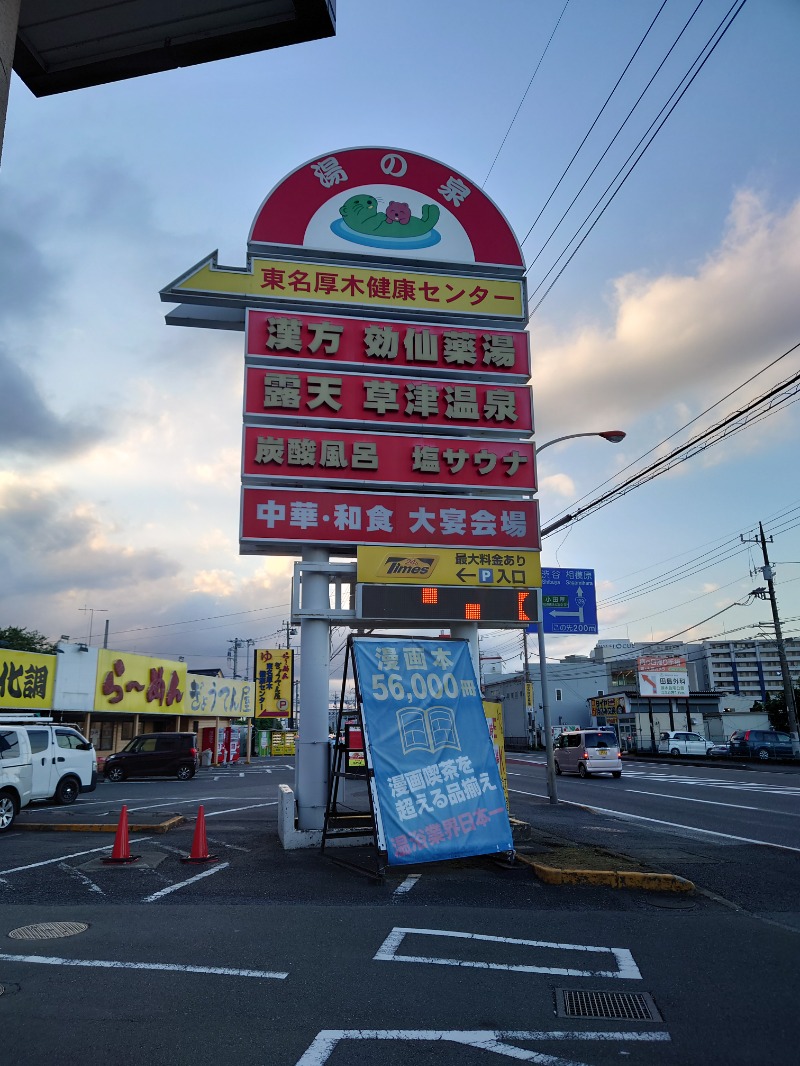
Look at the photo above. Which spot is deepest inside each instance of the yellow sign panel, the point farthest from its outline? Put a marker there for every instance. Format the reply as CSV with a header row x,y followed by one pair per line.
x,y
27,680
494,719
282,742
138,684
221,697
448,566
279,279
274,681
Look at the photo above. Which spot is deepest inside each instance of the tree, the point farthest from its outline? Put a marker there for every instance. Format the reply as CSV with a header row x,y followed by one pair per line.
x,y
19,639
775,709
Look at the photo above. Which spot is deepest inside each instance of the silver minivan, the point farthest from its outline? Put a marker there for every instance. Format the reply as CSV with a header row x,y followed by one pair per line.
x,y
588,751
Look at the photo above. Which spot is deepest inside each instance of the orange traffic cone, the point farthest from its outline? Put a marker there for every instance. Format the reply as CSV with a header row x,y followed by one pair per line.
x,y
121,852
199,844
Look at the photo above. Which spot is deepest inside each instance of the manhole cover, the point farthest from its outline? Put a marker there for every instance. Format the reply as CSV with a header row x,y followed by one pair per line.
x,y
48,930
638,1006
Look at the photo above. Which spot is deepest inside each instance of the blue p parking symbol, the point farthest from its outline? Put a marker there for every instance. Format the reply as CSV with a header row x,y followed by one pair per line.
x,y
485,575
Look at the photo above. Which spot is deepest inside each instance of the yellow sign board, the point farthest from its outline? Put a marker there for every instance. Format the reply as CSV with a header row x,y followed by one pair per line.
x,y
448,566
282,742
274,681
347,286
27,680
139,684
219,697
494,719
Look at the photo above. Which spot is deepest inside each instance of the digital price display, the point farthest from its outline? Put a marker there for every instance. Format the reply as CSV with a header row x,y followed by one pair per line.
x,y
444,603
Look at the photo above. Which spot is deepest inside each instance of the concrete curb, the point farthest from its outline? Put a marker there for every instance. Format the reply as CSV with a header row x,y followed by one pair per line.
x,y
99,827
551,875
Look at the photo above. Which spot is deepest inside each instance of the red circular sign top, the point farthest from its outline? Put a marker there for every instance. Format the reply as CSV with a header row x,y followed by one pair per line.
x,y
386,202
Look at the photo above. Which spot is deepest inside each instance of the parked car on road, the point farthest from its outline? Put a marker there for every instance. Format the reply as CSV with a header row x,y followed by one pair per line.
x,y
760,744
719,749
588,751
675,742
63,761
155,754
16,774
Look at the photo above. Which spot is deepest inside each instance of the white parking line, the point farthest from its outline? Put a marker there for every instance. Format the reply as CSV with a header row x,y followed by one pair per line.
x,y
691,799
626,967
62,858
406,885
172,967
234,810
182,884
492,1040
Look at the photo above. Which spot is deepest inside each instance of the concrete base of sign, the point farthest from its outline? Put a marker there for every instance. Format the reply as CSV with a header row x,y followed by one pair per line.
x,y
292,838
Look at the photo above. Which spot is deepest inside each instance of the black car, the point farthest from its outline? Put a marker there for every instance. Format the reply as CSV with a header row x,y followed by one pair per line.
x,y
155,754
760,744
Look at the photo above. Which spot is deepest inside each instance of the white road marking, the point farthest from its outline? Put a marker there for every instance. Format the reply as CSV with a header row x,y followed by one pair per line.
x,y
174,803
62,858
691,799
672,825
492,1040
182,884
406,885
234,810
626,967
81,877
172,967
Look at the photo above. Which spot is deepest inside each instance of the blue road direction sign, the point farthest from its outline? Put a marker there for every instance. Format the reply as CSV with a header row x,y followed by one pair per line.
x,y
569,604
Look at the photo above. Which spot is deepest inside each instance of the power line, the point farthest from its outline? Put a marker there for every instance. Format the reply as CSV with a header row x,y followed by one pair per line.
x,y
633,165
613,139
530,83
785,392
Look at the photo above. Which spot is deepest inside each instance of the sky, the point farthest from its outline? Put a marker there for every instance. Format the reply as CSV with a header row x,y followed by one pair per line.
x,y
120,437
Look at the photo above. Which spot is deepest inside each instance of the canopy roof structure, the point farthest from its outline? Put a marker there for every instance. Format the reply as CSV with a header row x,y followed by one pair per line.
x,y
71,44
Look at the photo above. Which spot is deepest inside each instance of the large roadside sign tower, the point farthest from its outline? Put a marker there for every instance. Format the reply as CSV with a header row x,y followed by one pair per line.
x,y
386,403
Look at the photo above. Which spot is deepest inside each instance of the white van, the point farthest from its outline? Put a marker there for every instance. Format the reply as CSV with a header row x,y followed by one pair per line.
x,y
63,763
16,773
588,751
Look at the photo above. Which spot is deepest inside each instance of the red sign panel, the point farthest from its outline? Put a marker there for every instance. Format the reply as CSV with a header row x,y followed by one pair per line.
x,y
351,182
438,463
409,402
277,518
384,346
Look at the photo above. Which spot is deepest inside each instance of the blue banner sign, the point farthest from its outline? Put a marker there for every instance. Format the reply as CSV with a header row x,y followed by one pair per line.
x,y
569,604
437,788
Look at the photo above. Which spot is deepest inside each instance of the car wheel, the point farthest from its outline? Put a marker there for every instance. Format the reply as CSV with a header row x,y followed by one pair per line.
x,y
115,773
674,751
67,790
185,772
8,811
616,773
558,768
582,771
763,754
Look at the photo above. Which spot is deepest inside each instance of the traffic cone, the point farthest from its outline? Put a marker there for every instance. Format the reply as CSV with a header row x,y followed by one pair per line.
x,y
121,852
199,844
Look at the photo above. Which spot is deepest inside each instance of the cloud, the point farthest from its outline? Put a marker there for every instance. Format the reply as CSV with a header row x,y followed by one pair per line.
x,y
28,426
51,543
678,339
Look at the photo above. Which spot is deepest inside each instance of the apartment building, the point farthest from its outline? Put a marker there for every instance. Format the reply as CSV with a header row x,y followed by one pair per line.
x,y
749,668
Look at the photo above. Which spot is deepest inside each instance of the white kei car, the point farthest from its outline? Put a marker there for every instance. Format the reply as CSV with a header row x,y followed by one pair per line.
x,y
681,743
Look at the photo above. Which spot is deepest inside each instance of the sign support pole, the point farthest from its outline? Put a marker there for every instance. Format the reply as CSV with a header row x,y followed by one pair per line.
x,y
312,761
552,792
468,631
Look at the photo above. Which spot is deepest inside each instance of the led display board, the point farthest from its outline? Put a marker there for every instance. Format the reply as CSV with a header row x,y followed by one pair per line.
x,y
425,604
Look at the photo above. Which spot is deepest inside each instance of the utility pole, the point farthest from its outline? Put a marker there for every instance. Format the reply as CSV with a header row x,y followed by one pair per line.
x,y
233,653
788,686
290,632
530,715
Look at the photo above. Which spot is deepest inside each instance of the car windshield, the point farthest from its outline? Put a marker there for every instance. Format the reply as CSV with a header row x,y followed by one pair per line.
x,y
600,740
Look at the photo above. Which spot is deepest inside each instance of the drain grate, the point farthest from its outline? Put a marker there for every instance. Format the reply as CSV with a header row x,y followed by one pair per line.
x,y
637,1006
48,930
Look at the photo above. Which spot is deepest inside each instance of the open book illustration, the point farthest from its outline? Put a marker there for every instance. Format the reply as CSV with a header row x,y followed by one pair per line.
x,y
427,730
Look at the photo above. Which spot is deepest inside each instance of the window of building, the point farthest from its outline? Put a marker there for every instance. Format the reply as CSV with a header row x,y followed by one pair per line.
x,y
559,694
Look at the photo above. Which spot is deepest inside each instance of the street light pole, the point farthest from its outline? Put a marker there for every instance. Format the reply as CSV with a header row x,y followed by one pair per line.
x,y
613,436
